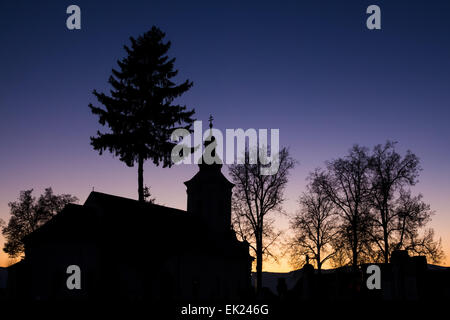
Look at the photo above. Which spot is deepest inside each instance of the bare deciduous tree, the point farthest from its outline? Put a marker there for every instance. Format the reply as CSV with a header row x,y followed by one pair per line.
x,y
390,173
412,214
346,184
425,245
255,196
315,227
378,213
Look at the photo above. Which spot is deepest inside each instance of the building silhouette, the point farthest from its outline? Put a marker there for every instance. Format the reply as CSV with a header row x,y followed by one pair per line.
x,y
132,250
404,278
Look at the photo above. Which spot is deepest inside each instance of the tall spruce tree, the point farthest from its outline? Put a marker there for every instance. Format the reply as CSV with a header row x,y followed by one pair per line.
x,y
140,111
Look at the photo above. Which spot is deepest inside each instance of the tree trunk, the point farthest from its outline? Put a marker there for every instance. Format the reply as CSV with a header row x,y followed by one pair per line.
x,y
355,248
318,248
259,263
355,258
384,218
141,179
386,246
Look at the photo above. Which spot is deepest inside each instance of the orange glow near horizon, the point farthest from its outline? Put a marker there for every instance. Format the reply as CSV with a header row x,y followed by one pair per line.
x,y
169,190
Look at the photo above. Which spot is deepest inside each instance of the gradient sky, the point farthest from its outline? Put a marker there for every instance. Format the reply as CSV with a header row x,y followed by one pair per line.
x,y
309,68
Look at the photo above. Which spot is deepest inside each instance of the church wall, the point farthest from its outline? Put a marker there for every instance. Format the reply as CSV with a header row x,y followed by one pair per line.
x,y
47,266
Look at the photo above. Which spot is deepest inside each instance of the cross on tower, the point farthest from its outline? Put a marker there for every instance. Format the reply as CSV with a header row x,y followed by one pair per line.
x,y
210,121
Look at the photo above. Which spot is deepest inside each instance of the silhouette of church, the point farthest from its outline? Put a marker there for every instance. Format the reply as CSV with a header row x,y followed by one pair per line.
x,y
131,250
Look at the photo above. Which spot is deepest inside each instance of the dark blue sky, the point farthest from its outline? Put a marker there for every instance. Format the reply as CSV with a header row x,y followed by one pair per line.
x,y
309,68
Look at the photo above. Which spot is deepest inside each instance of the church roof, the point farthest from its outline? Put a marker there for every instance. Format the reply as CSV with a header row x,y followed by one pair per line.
x,y
205,177
104,200
104,214
120,223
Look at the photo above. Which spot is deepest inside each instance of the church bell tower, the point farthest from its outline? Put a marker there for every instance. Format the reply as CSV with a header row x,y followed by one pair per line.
x,y
209,193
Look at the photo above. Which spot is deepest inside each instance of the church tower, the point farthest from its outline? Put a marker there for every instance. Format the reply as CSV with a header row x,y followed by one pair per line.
x,y
209,194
